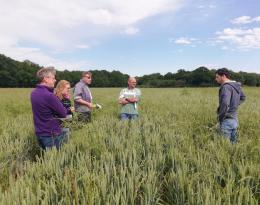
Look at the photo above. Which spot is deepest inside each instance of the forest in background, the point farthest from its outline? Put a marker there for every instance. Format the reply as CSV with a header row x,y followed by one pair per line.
x,y
22,74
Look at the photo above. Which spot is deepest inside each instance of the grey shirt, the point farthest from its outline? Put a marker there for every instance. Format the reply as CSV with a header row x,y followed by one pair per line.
x,y
230,97
82,91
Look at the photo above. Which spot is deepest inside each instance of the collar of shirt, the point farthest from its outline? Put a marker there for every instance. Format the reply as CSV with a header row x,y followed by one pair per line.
x,y
45,87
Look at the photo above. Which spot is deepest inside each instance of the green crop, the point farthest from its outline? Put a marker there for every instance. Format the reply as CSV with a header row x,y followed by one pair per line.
x,y
171,155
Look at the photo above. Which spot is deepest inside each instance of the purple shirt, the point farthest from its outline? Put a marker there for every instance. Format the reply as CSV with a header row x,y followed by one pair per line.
x,y
46,108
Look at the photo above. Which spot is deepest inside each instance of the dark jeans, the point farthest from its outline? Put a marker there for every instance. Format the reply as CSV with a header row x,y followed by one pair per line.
x,y
125,116
47,142
84,116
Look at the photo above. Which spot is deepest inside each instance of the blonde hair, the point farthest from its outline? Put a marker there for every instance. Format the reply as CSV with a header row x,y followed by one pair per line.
x,y
60,87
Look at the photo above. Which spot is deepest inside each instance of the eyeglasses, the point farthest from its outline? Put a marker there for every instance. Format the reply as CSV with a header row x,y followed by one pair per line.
x,y
53,78
88,77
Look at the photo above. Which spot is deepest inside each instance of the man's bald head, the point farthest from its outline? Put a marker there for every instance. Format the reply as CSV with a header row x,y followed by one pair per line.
x,y
131,82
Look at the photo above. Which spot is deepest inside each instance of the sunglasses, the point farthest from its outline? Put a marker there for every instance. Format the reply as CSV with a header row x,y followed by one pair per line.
x,y
53,78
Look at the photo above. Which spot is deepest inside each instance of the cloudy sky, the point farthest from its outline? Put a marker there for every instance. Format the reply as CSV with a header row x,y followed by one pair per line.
x,y
133,36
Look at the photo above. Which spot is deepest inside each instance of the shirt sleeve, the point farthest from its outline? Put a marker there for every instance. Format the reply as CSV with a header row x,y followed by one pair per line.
x,y
121,95
56,106
224,103
77,92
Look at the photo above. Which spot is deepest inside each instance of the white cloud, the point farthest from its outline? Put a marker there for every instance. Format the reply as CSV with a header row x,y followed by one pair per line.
x,y
183,41
245,20
131,31
37,56
60,25
71,65
244,39
210,6
46,22
257,18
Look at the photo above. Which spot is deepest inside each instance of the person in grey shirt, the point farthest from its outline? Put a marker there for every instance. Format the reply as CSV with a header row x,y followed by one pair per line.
x,y
230,97
83,97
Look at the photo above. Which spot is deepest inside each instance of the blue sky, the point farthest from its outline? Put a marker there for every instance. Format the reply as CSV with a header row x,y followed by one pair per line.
x,y
136,37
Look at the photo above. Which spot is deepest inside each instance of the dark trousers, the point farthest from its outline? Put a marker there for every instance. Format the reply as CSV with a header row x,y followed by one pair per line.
x,y
84,116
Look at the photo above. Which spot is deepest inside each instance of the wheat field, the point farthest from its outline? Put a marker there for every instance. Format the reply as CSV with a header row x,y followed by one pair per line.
x,y
171,155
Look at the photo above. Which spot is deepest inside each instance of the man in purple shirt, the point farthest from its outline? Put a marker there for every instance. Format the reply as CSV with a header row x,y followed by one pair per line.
x,y
47,108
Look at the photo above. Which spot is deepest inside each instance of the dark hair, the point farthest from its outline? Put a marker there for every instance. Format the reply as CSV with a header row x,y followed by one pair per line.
x,y
223,71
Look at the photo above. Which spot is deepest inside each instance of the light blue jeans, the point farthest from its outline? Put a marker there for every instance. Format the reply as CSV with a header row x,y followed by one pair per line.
x,y
228,129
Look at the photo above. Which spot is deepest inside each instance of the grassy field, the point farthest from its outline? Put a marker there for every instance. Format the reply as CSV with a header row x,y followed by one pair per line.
x,y
172,155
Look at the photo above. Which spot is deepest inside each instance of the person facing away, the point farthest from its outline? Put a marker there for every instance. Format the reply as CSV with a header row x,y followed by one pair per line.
x,y
47,108
129,98
83,97
230,97
62,91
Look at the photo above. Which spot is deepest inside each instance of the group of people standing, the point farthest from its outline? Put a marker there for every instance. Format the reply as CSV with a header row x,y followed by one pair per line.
x,y
50,106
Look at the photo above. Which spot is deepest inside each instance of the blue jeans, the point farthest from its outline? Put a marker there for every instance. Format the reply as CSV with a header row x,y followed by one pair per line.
x,y
47,142
125,116
228,128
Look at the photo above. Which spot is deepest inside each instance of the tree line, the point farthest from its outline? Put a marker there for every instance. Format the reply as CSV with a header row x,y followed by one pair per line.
x,y
23,74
